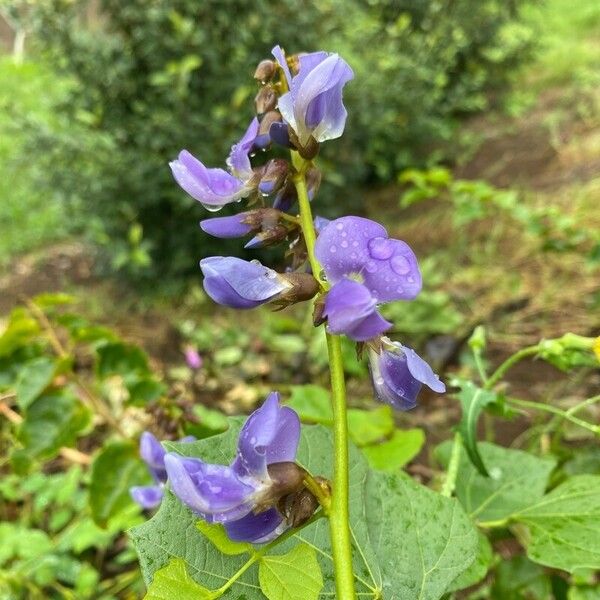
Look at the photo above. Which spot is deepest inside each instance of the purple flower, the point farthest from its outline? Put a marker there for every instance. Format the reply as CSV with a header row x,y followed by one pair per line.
x,y
242,495
214,188
313,106
193,358
351,310
238,283
398,373
365,268
153,454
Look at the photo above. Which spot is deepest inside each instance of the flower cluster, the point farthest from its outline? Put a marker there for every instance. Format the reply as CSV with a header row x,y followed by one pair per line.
x,y
299,106
256,497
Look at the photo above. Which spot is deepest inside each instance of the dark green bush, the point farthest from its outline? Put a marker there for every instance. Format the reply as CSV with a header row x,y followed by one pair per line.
x,y
156,76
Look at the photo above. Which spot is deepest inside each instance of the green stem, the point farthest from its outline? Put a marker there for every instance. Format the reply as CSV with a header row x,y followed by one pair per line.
x,y
508,363
339,511
452,473
555,411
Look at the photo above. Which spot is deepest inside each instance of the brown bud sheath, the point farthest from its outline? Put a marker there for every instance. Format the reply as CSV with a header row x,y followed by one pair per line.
x,y
265,100
265,70
303,287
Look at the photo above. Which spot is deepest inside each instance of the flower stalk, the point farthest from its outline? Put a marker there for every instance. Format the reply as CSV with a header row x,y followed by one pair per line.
x,y
339,508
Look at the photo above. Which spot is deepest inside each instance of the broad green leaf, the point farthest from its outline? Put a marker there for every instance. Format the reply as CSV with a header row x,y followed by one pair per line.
x,y
394,453
216,534
312,403
422,540
173,581
369,426
564,526
34,377
143,389
48,300
53,420
518,578
478,570
21,329
210,422
295,575
473,400
517,480
114,471
211,568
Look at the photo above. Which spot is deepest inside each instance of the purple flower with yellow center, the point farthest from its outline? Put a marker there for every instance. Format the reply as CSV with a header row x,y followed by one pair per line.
x,y
365,268
153,454
243,494
214,188
313,106
398,373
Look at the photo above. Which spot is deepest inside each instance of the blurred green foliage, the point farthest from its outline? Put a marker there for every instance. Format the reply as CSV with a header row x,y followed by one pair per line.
x,y
157,76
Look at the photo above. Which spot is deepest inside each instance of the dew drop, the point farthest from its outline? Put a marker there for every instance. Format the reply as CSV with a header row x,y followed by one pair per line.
x,y
400,264
332,249
371,266
381,248
339,226
344,244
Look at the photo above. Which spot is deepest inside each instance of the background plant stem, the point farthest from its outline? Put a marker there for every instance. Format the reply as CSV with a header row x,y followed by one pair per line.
x,y
339,512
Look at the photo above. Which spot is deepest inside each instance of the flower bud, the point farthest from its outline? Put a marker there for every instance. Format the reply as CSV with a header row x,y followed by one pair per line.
x,y
274,176
286,198
269,236
265,100
265,70
263,139
302,286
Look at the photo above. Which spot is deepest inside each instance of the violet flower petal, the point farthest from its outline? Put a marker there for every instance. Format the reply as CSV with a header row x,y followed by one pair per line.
x,y
147,497
153,454
271,434
238,160
238,283
209,489
227,227
357,246
214,188
256,529
280,58
351,310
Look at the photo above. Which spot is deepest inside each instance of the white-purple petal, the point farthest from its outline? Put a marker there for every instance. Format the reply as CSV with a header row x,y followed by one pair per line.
x,y
153,454
227,227
213,188
238,160
280,58
147,497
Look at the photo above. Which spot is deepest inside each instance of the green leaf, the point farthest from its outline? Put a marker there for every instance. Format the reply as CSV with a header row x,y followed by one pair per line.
x,y
173,581
210,422
20,330
48,300
34,377
114,471
121,359
473,400
312,403
369,426
478,570
217,535
422,540
518,578
397,451
143,389
564,526
53,420
405,518
295,575
517,480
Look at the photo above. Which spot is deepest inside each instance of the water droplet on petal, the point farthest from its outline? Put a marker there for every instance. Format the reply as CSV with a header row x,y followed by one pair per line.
x,y
371,266
339,226
332,249
381,248
344,244
400,264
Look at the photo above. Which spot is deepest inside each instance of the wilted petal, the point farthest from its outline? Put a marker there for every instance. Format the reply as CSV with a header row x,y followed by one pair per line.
x,y
238,283
271,434
256,529
238,160
351,310
227,227
214,188
147,497
209,489
398,375
357,246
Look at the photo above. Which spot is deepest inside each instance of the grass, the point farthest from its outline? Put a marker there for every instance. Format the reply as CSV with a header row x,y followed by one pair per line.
x,y
29,217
